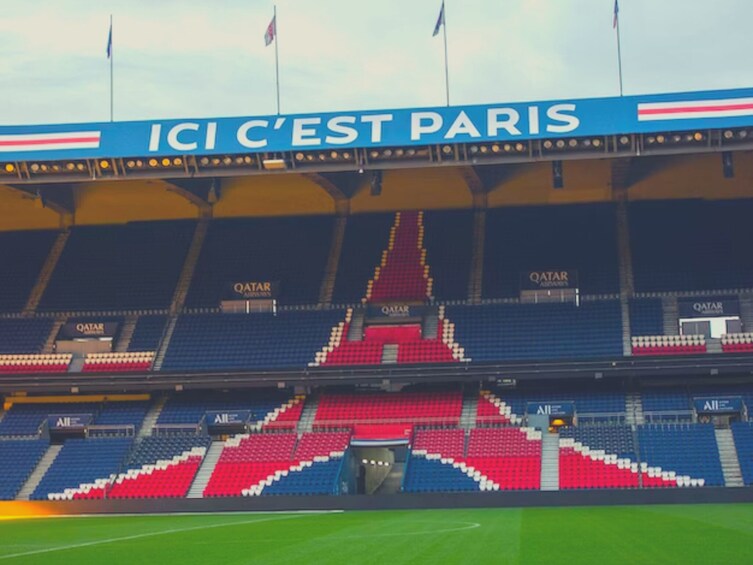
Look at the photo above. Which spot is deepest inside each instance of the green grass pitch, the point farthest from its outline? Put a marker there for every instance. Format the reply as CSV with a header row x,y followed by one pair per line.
x,y
707,534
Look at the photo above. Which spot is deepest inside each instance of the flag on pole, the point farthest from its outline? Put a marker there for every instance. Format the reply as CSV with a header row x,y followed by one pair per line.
x,y
269,35
616,17
109,42
440,21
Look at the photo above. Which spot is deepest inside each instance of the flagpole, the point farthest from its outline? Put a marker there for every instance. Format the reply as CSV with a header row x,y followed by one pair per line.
x,y
277,60
619,50
112,53
446,70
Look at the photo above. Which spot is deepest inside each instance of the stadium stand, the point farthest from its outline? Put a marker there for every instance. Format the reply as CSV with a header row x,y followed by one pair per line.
x,y
737,343
497,459
160,467
366,236
646,317
683,449
290,250
249,459
448,241
538,331
427,408
27,419
118,362
83,466
24,335
148,333
18,458
579,237
125,267
669,345
28,364
743,434
271,408
598,457
26,251
260,341
402,274
669,257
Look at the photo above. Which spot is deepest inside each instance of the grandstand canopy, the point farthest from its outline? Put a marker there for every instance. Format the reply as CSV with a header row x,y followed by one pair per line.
x,y
659,146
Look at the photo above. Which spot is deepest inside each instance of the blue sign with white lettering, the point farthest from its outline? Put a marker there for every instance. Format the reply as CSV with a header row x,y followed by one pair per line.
x,y
381,128
227,418
550,408
718,405
69,421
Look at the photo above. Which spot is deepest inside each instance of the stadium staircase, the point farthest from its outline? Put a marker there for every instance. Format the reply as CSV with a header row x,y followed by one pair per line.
x,y
671,315
167,335
469,411
46,273
189,266
475,284
76,364
389,354
634,410
126,333
746,310
550,463
306,422
39,472
205,471
333,260
49,346
402,274
728,457
150,420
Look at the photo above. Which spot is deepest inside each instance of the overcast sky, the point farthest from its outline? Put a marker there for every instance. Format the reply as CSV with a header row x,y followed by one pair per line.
x,y
199,58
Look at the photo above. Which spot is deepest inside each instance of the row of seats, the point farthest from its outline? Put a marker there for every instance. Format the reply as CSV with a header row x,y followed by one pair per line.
x,y
438,408
118,362
250,460
668,344
142,260
50,363
506,458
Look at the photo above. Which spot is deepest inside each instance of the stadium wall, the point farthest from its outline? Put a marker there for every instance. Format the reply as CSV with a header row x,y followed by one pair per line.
x,y
277,195
384,502
129,201
20,212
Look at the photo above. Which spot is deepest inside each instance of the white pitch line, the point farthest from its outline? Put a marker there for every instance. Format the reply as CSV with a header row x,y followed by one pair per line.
x,y
140,536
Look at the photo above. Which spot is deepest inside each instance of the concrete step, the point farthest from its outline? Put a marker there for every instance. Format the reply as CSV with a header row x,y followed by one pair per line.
x,y
77,364
355,330
205,471
728,457
470,408
306,423
126,333
550,461
389,354
164,343
150,420
39,472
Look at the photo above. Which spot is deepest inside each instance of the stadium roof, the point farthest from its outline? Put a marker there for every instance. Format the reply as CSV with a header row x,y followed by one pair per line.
x,y
658,124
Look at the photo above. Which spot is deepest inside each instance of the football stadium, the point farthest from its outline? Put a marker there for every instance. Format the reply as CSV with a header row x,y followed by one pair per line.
x,y
498,333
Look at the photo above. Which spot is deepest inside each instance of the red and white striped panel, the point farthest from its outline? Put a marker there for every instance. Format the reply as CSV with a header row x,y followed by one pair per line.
x,y
50,141
693,109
